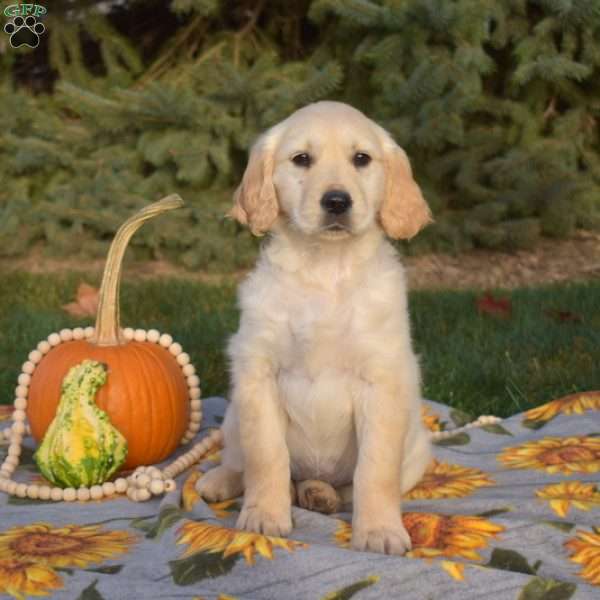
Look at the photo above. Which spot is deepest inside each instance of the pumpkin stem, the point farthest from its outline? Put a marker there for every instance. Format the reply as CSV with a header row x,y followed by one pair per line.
x,y
108,326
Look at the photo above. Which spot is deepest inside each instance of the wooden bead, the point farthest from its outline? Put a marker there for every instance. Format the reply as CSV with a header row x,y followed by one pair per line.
x,y
83,494
96,492
15,437
18,427
14,450
153,335
142,495
44,492
6,472
78,333
188,370
20,403
11,488
132,493
193,381
153,472
11,460
69,494
28,367
19,415
195,392
66,335
3,485
175,349
194,427
89,331
120,485
35,356
33,491
24,379
165,340
21,391
21,490
44,346
108,488
196,404
170,485
54,339
56,494
139,335
142,480
183,359
128,333
157,486
195,416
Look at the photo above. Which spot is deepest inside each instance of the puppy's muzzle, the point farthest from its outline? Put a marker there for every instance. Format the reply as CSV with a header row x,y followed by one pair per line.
x,y
336,202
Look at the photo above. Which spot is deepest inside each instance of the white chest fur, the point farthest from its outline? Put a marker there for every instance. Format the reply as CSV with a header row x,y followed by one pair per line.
x,y
318,383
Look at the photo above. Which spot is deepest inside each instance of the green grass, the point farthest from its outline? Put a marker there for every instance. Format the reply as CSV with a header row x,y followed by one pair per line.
x,y
479,364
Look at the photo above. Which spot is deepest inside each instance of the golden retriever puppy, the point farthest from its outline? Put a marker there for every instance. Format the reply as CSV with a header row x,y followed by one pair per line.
x,y
325,384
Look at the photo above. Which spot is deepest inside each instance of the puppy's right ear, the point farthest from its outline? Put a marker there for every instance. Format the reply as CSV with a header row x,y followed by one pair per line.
x,y
255,199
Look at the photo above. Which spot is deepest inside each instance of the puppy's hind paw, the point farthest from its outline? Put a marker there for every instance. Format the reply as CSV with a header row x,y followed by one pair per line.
x,y
318,496
220,483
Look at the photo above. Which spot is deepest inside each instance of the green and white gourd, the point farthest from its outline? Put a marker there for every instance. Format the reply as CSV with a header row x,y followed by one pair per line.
x,y
81,446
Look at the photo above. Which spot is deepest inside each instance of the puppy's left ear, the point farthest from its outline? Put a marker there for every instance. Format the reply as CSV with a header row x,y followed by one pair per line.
x,y
404,211
255,200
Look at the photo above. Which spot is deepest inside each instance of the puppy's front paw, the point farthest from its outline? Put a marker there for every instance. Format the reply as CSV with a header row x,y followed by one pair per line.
x,y
265,520
391,538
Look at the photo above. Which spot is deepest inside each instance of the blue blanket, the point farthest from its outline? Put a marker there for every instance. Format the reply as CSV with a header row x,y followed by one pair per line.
x,y
505,511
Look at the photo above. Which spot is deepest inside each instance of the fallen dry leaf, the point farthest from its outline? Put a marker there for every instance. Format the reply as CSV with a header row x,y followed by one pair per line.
x,y
564,316
86,302
498,307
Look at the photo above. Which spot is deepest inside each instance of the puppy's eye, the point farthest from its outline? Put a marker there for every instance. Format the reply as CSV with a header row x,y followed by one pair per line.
x,y
360,159
302,160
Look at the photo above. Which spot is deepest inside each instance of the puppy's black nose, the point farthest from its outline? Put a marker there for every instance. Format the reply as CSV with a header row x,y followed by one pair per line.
x,y
336,202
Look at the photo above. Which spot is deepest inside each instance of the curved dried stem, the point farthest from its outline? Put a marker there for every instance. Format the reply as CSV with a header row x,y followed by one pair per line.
x,y
108,327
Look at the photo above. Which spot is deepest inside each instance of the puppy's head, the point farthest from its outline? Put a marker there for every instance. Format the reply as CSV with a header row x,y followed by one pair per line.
x,y
329,171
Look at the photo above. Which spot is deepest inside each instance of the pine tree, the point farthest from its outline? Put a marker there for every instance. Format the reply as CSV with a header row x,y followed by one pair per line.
x,y
495,101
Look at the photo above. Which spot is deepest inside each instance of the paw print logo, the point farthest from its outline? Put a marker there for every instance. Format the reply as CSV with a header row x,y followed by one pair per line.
x,y
24,32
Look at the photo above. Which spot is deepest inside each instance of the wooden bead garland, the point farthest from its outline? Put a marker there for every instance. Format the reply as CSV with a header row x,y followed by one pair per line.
x,y
144,482
482,421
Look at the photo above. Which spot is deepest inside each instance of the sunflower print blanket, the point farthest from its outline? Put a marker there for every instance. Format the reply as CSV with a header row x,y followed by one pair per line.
x,y
510,510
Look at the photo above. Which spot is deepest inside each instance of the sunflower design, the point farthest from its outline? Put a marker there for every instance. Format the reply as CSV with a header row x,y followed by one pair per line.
x,y
220,597
438,535
20,578
214,456
445,480
566,455
454,569
205,537
68,546
190,496
6,411
569,405
562,495
430,419
585,550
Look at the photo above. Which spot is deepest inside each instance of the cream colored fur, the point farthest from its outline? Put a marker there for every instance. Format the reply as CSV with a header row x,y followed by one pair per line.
x,y
325,384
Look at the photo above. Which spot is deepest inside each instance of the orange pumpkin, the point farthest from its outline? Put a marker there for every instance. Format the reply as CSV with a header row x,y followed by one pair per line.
x,y
146,394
